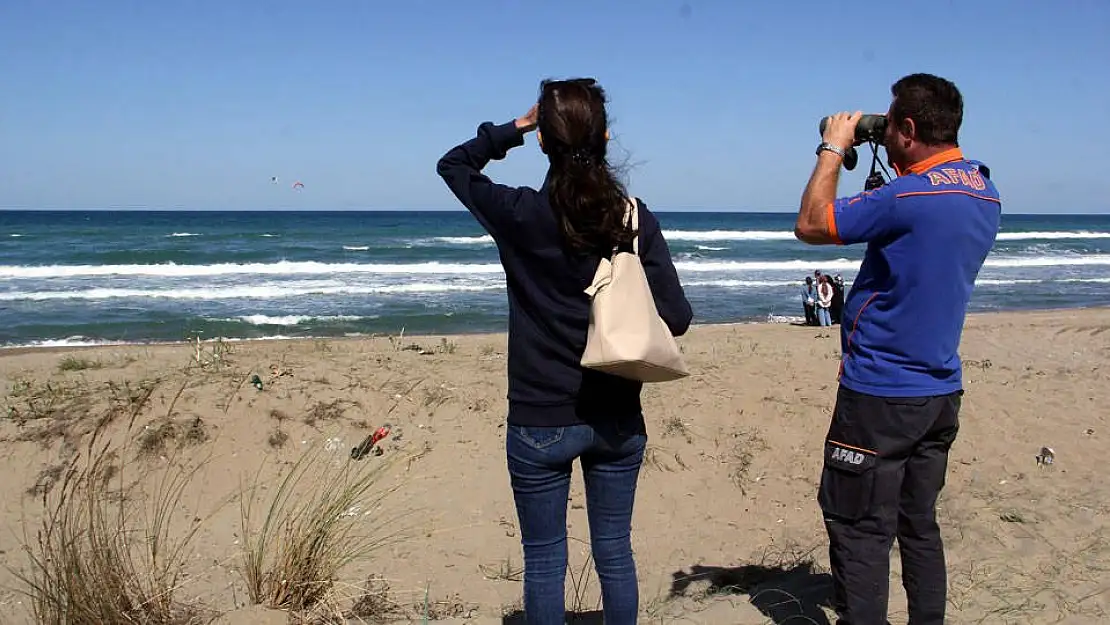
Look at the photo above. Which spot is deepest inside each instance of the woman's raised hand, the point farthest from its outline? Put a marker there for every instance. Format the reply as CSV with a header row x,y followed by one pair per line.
x,y
527,122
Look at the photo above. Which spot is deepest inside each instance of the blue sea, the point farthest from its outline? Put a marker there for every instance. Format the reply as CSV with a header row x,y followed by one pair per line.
x,y
91,277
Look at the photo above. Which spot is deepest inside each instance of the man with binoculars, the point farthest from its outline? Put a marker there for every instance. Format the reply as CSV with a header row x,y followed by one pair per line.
x,y
928,231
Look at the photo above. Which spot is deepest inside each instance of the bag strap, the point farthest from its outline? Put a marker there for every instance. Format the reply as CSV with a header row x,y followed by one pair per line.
x,y
632,220
601,274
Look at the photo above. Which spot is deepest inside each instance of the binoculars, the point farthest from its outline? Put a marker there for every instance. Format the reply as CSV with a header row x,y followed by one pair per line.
x,y
870,129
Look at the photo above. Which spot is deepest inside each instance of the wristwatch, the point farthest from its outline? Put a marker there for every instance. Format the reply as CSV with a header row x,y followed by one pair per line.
x,y
825,145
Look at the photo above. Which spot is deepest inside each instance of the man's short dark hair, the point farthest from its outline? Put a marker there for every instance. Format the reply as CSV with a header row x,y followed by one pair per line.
x,y
933,103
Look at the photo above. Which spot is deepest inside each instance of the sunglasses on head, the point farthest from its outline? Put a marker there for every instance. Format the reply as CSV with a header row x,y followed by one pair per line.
x,y
555,84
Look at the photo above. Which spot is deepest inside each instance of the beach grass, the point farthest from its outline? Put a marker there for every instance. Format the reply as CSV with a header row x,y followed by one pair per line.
x,y
326,513
105,551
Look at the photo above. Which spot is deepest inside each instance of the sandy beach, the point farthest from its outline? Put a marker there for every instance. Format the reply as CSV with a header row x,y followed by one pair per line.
x,y
726,528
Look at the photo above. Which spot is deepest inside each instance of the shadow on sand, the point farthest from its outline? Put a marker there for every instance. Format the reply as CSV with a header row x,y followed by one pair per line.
x,y
784,585
592,617
781,593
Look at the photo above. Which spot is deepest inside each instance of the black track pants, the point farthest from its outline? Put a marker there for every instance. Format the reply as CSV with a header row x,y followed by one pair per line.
x,y
885,463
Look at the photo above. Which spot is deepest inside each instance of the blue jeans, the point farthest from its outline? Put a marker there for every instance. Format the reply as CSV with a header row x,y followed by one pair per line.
x,y
823,317
540,461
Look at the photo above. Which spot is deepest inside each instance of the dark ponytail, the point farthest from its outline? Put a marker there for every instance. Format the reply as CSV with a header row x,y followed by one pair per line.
x,y
588,199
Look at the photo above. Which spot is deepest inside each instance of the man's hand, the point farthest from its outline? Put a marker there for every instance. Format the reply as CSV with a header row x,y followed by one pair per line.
x,y
527,122
841,129
815,220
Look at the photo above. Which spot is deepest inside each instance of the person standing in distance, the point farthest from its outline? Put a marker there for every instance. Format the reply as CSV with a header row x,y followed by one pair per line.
x,y
550,241
928,232
809,301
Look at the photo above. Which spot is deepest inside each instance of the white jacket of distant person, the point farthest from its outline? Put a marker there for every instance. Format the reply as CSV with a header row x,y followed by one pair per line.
x,y
824,294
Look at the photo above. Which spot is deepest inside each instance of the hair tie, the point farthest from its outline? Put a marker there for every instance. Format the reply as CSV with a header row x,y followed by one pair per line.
x,y
582,157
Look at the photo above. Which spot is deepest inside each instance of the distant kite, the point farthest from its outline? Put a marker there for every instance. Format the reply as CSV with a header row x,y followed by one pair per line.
x,y
273,179
298,185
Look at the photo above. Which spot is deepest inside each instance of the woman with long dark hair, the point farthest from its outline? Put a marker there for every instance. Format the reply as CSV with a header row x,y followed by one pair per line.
x,y
550,241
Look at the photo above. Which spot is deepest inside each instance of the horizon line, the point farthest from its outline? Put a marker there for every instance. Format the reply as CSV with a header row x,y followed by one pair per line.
x,y
1105,212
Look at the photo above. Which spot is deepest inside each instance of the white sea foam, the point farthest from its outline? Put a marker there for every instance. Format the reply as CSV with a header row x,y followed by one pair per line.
x,y
741,284
842,264
759,284
290,268
278,291
727,235
1050,261
785,235
80,341
73,341
283,268
292,320
1082,280
268,291
733,266
478,240
1077,234
773,318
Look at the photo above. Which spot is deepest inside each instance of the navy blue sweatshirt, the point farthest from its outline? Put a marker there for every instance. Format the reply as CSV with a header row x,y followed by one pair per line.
x,y
548,308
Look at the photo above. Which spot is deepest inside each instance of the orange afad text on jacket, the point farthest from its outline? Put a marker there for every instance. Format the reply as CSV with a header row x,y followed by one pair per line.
x,y
947,176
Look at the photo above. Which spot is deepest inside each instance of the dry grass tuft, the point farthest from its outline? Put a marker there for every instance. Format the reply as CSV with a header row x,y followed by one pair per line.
x,y
436,396
659,458
38,406
278,438
157,437
71,409
213,355
579,584
674,426
46,479
73,363
1068,588
741,447
322,411
325,514
505,570
105,552
377,603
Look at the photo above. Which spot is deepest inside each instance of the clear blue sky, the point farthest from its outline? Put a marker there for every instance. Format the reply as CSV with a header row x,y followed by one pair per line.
x,y
143,103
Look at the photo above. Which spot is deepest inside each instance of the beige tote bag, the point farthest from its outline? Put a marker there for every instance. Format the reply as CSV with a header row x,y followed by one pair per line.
x,y
627,337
